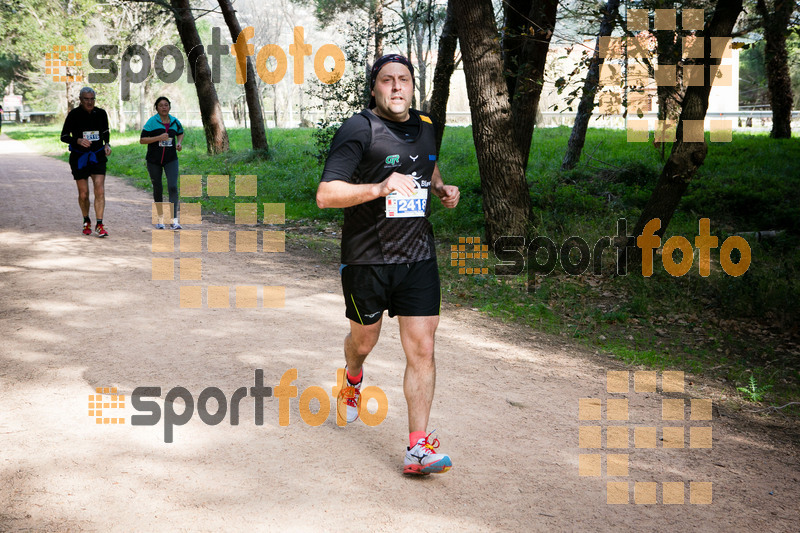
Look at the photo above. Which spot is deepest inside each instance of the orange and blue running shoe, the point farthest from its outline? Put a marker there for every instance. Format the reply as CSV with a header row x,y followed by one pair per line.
x,y
423,458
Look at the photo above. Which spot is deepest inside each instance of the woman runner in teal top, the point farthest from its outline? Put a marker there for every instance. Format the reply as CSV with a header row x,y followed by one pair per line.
x,y
163,135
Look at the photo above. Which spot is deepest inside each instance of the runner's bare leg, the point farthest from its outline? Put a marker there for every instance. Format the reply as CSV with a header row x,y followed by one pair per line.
x,y
83,196
359,343
417,336
99,181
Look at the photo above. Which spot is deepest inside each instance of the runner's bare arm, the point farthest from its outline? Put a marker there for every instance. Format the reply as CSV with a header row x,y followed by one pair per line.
x,y
338,193
448,194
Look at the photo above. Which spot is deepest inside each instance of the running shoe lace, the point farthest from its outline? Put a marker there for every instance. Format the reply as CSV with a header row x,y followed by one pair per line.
x,y
430,446
349,393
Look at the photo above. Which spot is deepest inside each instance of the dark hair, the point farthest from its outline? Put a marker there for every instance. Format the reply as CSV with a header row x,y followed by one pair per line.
x,y
162,98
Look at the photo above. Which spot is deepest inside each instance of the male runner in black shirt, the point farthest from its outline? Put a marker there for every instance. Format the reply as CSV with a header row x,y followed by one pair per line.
x,y
382,169
86,132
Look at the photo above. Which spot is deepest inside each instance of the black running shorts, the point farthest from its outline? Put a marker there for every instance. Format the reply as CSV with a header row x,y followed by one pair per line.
x,y
405,289
89,170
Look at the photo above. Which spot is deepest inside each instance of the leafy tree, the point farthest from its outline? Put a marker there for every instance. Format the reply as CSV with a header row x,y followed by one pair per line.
x,y
370,10
128,23
31,28
342,99
504,76
686,155
210,110
420,20
445,64
578,135
258,135
412,23
775,19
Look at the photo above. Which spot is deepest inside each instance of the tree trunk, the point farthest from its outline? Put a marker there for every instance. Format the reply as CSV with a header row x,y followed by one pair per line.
x,y
686,157
210,110
258,134
506,201
426,27
422,69
301,110
142,110
275,104
530,74
445,63
408,21
578,135
779,81
514,27
669,53
375,17
122,126
380,35
70,92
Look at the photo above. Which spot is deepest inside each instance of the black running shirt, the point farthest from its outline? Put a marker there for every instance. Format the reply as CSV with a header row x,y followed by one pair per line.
x,y
368,149
162,152
81,124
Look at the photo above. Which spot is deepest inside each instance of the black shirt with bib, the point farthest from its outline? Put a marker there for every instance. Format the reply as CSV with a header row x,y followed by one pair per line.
x,y
368,149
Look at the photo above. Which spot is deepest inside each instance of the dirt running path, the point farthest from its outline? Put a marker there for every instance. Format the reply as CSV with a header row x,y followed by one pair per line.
x,y
81,312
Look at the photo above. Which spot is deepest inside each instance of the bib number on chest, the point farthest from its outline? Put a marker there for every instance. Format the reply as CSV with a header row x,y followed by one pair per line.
x,y
168,142
398,206
91,135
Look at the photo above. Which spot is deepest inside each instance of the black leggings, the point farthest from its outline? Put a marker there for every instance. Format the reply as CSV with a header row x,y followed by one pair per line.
x,y
171,170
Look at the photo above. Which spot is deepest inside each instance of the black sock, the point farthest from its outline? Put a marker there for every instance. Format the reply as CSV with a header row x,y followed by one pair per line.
x,y
99,220
87,220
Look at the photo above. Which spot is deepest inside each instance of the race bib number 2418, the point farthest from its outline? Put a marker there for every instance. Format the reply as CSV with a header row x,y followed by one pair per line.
x,y
398,206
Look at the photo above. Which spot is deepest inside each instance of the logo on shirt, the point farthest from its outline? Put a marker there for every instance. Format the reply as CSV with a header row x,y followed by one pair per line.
x,y
420,182
393,160
414,157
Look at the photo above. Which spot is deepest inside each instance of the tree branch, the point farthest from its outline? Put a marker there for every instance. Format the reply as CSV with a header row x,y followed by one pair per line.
x,y
773,408
166,5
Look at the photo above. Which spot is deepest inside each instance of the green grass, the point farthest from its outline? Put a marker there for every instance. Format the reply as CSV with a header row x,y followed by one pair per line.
x,y
720,326
288,176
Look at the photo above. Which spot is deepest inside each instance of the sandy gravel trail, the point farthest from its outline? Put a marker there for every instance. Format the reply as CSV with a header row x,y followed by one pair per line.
x,y
79,312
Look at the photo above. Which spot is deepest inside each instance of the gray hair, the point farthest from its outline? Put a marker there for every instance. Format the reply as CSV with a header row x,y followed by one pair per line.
x,y
87,90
